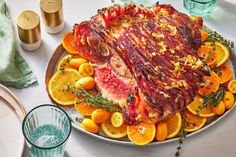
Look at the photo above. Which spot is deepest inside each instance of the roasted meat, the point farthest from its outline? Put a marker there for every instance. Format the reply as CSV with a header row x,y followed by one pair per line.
x,y
145,55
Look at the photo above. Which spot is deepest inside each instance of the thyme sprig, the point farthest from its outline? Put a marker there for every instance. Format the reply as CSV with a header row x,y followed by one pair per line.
x,y
94,100
212,99
182,133
213,36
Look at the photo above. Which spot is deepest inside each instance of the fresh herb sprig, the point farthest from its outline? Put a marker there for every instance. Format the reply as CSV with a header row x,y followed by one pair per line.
x,y
94,100
212,99
182,133
213,36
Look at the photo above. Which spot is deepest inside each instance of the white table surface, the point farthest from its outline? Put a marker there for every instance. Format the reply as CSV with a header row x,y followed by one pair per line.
x,y
217,141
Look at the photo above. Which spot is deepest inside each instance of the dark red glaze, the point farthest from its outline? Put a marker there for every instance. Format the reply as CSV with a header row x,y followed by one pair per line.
x,y
155,44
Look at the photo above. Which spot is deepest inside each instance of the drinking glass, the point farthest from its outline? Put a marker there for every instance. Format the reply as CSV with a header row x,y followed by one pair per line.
x,y
199,7
46,129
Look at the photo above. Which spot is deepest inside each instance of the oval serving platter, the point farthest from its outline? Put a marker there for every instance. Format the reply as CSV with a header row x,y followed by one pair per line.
x,y
60,52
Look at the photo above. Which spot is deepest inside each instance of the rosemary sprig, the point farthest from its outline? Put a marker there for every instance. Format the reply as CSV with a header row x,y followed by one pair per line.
x,y
182,133
94,100
213,36
212,99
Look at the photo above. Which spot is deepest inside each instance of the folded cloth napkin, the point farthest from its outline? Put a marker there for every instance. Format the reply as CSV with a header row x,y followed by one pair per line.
x,y
14,71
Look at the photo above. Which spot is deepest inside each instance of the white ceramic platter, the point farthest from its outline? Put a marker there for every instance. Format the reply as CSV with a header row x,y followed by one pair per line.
x,y
11,115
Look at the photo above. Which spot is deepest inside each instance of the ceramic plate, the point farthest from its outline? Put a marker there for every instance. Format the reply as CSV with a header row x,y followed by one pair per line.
x,y
11,115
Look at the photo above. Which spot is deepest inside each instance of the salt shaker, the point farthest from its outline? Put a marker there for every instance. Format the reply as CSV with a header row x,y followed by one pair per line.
x,y
28,25
52,15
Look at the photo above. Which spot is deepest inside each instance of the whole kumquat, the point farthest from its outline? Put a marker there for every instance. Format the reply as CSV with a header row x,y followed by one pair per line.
x,y
90,126
100,115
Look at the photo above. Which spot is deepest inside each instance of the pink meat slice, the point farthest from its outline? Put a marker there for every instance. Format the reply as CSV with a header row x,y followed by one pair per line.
x,y
111,85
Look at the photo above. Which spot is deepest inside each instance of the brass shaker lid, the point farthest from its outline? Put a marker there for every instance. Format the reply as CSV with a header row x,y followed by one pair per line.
x,y
28,24
52,12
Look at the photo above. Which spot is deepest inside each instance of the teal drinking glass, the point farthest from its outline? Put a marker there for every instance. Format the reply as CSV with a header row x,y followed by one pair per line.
x,y
199,7
46,129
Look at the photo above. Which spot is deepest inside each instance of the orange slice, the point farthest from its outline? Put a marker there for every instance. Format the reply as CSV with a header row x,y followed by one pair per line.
x,y
224,74
194,106
58,86
112,131
211,84
68,43
232,86
222,54
117,119
142,133
208,55
84,109
193,122
64,62
174,124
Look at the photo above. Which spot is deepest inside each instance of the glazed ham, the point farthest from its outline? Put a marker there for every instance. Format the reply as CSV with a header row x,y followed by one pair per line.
x,y
145,55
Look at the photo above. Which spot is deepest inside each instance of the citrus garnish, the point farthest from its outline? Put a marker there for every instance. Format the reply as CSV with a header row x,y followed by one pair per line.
x,y
86,69
58,86
211,84
219,109
222,54
224,74
161,131
112,131
142,133
208,55
84,108
197,103
193,122
89,125
76,62
64,62
100,115
174,124
85,83
68,43
232,86
228,100
117,119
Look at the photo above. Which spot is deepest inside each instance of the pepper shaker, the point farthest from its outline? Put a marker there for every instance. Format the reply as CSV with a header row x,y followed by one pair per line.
x,y
28,25
52,15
